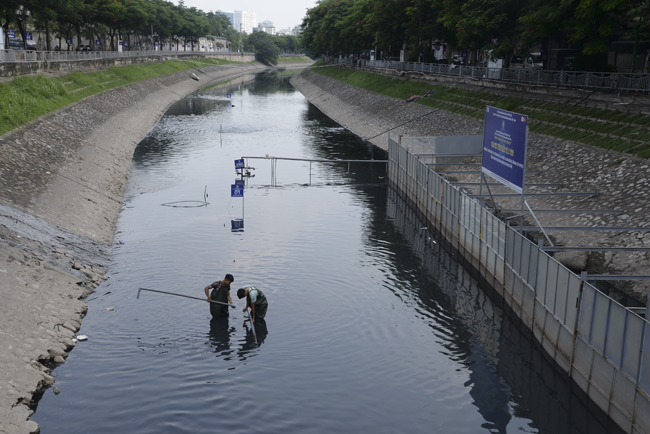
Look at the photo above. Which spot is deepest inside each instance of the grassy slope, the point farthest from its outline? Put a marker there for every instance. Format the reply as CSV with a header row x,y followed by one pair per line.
x,y
27,98
294,59
608,129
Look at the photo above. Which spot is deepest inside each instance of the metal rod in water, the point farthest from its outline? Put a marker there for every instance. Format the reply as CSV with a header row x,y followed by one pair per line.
x,y
252,325
181,295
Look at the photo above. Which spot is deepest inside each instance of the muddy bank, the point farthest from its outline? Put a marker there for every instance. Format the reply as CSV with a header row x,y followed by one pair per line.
x,y
62,179
621,181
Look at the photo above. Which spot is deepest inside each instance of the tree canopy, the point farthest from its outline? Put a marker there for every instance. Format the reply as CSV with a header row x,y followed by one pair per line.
x,y
140,20
500,27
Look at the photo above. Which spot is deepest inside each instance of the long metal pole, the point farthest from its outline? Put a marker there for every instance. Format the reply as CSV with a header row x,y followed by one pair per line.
x,y
181,295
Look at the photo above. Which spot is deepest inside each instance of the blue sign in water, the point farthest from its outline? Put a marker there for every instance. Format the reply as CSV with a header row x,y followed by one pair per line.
x,y
237,225
239,164
504,147
236,190
228,95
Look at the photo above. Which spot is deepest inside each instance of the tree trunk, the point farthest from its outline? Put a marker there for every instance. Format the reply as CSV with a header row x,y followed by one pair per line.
x,y
48,40
78,29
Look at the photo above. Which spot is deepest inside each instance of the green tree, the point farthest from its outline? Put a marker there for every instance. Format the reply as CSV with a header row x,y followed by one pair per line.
x,y
262,45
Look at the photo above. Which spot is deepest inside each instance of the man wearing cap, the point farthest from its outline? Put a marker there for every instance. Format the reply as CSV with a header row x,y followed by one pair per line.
x,y
256,300
220,293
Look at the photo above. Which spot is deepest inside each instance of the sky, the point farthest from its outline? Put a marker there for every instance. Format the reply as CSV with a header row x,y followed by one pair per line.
x,y
283,13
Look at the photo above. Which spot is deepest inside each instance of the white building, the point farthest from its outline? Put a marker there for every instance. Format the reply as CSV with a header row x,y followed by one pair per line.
x,y
243,21
266,27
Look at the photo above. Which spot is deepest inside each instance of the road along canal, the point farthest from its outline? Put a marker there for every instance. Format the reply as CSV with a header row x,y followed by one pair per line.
x,y
371,326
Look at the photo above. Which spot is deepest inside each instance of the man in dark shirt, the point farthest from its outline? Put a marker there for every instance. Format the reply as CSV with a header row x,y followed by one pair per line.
x,y
221,293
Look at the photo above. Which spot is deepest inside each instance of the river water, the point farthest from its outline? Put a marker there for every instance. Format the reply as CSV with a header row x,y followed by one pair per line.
x,y
371,327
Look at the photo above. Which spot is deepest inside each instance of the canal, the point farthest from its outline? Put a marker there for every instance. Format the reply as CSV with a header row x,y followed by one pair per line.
x,y
371,327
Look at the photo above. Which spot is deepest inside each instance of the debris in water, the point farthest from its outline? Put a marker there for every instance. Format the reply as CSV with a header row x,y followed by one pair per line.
x,y
110,309
82,337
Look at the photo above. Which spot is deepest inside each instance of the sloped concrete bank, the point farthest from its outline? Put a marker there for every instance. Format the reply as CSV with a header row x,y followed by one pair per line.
x,y
622,181
61,184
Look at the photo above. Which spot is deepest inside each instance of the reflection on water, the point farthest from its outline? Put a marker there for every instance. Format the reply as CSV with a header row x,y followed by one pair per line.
x,y
510,376
375,328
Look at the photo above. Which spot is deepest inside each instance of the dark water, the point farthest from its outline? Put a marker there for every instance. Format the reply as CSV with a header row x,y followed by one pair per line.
x,y
371,327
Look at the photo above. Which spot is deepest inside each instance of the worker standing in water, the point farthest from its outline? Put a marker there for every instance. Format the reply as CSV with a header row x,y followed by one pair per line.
x,y
256,300
221,293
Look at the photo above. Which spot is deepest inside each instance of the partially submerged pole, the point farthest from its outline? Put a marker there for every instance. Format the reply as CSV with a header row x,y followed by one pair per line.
x,y
181,295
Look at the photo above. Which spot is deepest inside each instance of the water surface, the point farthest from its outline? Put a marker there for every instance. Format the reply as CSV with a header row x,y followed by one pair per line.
x,y
371,327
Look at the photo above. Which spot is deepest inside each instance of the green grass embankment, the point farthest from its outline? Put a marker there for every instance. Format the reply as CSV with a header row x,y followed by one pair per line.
x,y
294,59
25,99
607,129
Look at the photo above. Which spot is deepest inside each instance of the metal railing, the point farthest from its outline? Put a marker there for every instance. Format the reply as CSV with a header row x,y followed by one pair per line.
x,y
64,56
533,77
603,346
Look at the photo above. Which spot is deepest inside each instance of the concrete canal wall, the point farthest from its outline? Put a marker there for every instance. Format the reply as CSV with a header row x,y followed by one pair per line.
x,y
597,342
592,338
62,179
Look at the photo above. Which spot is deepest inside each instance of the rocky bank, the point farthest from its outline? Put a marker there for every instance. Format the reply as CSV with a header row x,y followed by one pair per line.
x,y
622,181
62,178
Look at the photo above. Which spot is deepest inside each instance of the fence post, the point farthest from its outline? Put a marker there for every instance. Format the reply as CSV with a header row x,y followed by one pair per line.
x,y
583,280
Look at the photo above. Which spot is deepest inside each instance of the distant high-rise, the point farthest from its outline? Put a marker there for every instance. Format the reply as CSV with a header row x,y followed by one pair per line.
x,y
244,21
230,16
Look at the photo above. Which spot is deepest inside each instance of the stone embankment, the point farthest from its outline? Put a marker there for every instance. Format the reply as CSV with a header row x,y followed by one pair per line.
x,y
621,181
62,179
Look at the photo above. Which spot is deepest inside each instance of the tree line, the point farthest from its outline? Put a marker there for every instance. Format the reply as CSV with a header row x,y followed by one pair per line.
x,y
144,21
496,27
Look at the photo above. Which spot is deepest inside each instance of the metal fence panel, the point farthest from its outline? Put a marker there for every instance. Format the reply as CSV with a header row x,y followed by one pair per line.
x,y
632,345
533,260
542,272
517,246
551,284
599,324
644,371
572,301
586,311
615,334
510,246
561,294
524,258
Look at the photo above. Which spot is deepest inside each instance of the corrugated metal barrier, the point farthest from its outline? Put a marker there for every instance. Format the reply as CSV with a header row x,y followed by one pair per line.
x,y
596,341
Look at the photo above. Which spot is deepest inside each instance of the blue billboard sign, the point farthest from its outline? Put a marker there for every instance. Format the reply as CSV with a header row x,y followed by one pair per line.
x,y
236,190
11,34
504,147
239,164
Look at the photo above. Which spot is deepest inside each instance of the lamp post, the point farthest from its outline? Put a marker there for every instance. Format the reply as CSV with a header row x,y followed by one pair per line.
x,y
21,15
